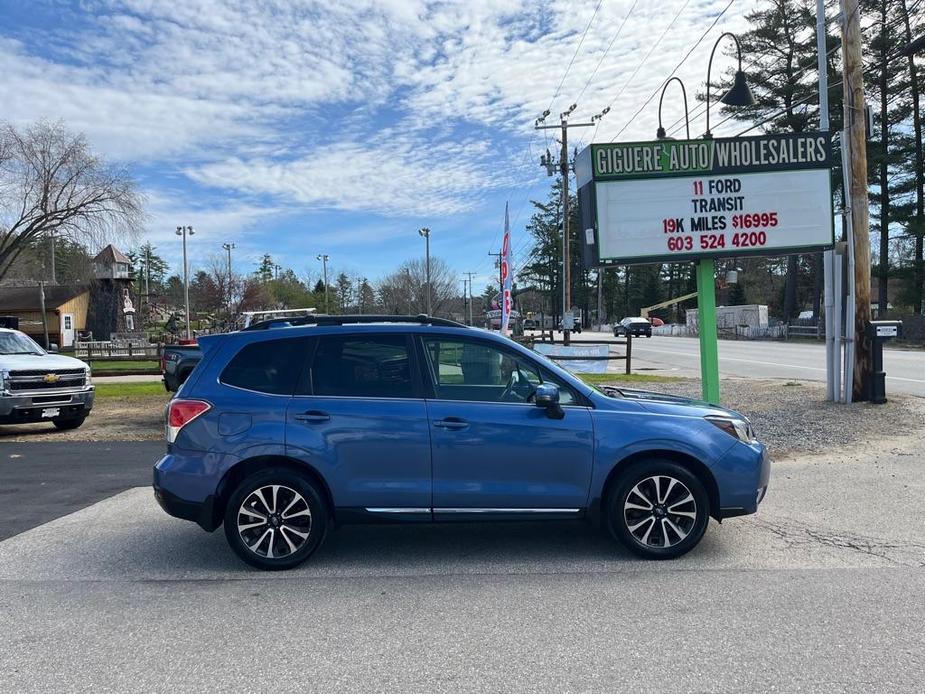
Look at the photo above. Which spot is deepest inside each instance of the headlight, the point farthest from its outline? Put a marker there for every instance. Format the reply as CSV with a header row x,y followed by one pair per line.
x,y
737,428
87,379
4,379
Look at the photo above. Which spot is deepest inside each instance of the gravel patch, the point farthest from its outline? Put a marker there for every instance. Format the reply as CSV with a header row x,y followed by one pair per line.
x,y
793,417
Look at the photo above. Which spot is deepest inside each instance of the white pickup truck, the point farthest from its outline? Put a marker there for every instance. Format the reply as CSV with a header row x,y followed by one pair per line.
x,y
36,386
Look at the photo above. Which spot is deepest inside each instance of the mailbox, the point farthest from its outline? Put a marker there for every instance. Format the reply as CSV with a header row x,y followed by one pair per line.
x,y
878,332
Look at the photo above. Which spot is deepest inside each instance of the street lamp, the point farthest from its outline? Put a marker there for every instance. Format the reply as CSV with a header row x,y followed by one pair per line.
x,y
184,231
324,263
425,232
739,94
660,133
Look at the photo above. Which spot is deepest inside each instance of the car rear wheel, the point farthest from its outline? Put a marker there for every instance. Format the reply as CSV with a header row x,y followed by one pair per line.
x,y
658,510
69,423
275,519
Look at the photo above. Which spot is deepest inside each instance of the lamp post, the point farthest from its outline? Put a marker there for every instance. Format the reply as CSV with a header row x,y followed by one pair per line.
x,y
739,94
228,248
660,133
323,257
184,231
425,232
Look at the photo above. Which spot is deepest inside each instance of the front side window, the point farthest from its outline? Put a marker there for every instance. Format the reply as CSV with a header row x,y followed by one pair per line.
x,y
464,370
271,366
374,366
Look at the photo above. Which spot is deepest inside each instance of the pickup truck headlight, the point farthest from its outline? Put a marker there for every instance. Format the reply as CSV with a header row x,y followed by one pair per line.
x,y
735,427
4,379
88,380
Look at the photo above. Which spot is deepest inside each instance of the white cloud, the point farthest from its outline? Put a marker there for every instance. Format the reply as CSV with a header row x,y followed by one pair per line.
x,y
354,105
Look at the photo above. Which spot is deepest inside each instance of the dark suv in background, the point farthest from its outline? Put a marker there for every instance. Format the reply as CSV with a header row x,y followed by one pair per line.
x,y
290,426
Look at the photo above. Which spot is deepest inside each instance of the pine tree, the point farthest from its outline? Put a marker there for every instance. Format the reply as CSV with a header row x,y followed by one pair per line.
x,y
783,76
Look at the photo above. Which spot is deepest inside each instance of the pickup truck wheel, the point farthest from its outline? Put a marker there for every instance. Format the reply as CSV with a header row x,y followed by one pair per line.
x,y
658,510
69,423
275,519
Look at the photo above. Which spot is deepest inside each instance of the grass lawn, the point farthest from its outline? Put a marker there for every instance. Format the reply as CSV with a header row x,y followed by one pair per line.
x,y
131,390
128,365
597,379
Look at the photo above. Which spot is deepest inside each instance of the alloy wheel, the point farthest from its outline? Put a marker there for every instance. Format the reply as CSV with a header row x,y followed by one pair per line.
x,y
659,511
274,521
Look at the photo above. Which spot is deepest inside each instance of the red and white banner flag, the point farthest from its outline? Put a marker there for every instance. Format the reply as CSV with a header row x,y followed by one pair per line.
x,y
507,280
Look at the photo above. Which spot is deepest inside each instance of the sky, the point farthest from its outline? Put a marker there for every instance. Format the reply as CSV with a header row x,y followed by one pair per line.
x,y
295,128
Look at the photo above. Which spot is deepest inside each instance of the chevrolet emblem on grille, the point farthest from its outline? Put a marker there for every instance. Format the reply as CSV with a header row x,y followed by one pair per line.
x,y
51,378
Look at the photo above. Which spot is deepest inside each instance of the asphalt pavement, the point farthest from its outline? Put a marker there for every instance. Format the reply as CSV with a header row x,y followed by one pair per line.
x,y
41,481
819,592
680,356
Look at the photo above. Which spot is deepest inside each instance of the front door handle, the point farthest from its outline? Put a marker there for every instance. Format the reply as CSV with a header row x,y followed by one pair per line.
x,y
454,423
313,416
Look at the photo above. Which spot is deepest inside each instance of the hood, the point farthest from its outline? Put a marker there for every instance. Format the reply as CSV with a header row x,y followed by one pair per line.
x,y
23,362
662,403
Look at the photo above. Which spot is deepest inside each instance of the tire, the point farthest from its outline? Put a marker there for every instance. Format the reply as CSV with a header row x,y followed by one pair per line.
x,y
276,545
69,423
668,535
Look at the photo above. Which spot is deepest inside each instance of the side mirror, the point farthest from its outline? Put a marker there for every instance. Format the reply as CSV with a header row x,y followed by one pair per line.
x,y
547,397
52,347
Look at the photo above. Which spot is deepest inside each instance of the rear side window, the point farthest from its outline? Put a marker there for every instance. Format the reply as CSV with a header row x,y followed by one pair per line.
x,y
374,366
272,366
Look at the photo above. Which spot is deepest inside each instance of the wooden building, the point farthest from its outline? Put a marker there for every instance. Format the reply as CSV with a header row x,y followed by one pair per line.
x,y
66,308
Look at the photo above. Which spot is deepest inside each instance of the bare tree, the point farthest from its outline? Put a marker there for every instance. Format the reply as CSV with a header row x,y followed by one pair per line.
x,y
50,183
404,291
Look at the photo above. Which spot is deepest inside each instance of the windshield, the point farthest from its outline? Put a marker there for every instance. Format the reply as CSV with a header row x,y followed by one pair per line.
x,y
17,343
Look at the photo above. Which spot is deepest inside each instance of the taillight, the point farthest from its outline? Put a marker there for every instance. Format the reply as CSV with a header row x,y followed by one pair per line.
x,y
182,412
164,362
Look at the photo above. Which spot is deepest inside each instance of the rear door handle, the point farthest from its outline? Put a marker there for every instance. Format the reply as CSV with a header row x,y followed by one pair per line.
x,y
313,416
453,423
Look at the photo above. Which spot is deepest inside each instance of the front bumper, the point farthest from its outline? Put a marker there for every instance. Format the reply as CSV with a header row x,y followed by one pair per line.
x,y
22,408
743,475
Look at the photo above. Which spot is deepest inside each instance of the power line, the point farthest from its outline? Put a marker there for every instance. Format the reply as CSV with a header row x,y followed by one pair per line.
x,y
607,50
577,49
677,67
643,62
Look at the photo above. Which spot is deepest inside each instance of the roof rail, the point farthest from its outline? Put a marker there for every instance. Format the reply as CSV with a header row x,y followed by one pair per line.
x,y
324,319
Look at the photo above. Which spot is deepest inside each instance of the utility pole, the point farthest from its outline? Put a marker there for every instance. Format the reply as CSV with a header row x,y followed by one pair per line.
x,y
500,278
184,231
44,315
323,257
54,279
465,308
859,356
470,296
565,166
425,232
147,273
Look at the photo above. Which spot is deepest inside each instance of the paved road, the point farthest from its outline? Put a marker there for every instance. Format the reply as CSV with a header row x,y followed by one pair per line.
x,y
752,359
819,592
40,481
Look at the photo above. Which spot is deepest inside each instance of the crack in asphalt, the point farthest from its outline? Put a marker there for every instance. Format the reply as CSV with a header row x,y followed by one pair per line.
x,y
796,534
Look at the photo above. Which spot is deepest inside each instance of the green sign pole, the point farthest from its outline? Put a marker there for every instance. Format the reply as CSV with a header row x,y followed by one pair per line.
x,y
706,319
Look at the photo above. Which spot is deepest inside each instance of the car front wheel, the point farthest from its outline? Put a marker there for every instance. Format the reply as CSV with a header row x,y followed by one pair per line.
x,y
275,519
658,510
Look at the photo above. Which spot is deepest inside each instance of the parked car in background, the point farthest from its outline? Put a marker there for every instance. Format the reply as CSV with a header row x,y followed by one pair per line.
x,y
637,327
281,432
36,386
177,363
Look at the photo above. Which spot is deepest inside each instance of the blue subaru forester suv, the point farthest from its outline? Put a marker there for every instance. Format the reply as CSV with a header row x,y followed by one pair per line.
x,y
290,426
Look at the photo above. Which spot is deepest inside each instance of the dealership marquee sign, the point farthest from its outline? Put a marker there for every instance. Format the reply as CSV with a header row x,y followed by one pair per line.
x,y
684,200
